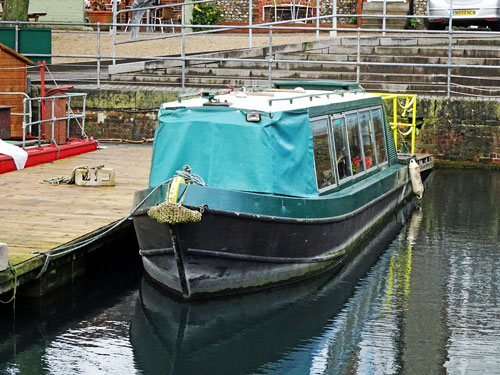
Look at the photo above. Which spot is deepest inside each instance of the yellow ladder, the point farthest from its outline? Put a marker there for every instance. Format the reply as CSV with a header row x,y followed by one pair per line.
x,y
399,123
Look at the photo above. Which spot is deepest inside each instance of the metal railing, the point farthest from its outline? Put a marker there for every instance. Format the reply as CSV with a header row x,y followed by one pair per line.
x,y
69,115
272,29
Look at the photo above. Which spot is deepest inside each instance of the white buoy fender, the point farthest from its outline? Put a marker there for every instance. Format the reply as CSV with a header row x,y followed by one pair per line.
x,y
4,256
416,180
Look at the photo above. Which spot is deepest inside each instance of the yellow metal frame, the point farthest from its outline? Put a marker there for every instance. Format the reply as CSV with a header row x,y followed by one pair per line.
x,y
396,125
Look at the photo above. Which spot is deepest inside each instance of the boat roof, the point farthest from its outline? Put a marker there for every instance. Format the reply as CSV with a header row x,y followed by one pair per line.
x,y
282,97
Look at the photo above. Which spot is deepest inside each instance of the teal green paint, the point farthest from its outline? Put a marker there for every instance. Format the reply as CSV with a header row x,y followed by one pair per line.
x,y
344,106
31,41
336,204
272,156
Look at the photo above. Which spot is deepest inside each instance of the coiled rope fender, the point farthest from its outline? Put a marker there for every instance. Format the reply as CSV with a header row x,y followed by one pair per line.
x,y
172,211
66,249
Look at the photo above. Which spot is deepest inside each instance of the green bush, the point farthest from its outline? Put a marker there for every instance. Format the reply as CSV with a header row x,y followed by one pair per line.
x,y
205,14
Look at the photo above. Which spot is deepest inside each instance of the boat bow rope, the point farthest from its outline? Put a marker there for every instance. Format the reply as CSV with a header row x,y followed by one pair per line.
x,y
57,252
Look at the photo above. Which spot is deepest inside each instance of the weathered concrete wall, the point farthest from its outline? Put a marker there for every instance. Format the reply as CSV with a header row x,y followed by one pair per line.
x,y
119,114
59,10
460,130
125,115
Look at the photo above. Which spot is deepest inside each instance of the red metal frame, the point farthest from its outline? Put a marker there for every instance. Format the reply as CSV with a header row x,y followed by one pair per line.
x,y
47,153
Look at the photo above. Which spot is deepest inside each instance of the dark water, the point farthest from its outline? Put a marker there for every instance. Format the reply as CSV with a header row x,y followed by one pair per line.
x,y
423,298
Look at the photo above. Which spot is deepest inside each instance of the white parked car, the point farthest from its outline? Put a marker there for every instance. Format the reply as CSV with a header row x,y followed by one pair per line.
x,y
464,13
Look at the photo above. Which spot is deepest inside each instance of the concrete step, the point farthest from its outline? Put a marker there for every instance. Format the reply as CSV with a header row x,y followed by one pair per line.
x,y
393,78
331,45
369,82
398,59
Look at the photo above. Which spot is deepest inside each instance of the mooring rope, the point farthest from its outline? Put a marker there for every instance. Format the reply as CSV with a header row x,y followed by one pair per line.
x,y
13,298
69,179
66,249
189,177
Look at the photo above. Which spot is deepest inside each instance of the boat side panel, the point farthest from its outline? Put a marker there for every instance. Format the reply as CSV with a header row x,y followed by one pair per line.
x,y
337,203
250,236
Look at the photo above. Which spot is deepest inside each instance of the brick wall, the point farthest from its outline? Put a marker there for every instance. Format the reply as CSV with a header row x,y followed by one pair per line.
x,y
121,123
126,115
59,10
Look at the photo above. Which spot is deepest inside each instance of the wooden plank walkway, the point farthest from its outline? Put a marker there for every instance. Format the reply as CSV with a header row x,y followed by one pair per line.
x,y
36,216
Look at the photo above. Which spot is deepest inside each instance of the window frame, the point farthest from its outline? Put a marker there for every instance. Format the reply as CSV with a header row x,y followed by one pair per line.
x,y
372,137
331,149
334,117
356,111
330,118
384,125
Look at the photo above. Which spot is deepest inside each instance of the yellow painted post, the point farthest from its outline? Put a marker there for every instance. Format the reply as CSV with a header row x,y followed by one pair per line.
x,y
395,120
414,124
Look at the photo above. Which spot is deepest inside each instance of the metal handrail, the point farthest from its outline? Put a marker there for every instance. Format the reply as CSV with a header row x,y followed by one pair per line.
x,y
28,122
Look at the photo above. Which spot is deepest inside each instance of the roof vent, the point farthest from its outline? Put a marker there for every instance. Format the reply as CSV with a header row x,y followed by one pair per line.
x,y
212,101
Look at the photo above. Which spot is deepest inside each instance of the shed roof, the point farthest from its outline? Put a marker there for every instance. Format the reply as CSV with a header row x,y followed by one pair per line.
x,y
16,54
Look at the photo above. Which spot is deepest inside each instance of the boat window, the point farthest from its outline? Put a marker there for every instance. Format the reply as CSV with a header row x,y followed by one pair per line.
x,y
341,148
367,139
322,155
378,125
354,143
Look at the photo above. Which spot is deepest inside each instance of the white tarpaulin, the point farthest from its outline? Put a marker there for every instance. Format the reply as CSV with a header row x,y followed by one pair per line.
x,y
17,153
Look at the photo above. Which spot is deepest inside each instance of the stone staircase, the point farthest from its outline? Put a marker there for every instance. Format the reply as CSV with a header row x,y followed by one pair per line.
x,y
377,8
335,59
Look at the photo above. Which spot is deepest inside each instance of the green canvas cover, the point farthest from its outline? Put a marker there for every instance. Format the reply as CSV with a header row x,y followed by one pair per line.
x,y
272,156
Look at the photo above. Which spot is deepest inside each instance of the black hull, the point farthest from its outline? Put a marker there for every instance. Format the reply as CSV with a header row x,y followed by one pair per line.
x,y
218,336
229,253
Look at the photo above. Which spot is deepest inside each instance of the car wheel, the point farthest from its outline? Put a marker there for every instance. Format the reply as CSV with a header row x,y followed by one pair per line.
x,y
495,26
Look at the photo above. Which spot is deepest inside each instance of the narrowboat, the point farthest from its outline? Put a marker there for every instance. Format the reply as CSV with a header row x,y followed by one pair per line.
x,y
255,189
218,336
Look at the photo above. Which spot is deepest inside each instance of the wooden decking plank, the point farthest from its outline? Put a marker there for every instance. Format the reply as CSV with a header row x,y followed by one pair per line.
x,y
36,216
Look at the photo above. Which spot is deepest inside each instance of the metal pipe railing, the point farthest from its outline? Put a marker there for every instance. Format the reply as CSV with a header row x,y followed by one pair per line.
x,y
98,58
28,122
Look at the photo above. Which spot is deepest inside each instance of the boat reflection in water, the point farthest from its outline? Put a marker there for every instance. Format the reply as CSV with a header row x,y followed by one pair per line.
x,y
302,329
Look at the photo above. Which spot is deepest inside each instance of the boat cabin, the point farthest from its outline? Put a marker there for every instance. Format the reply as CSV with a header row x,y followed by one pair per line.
x,y
300,139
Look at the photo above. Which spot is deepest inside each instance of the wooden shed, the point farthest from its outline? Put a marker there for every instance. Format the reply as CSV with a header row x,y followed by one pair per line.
x,y
13,78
